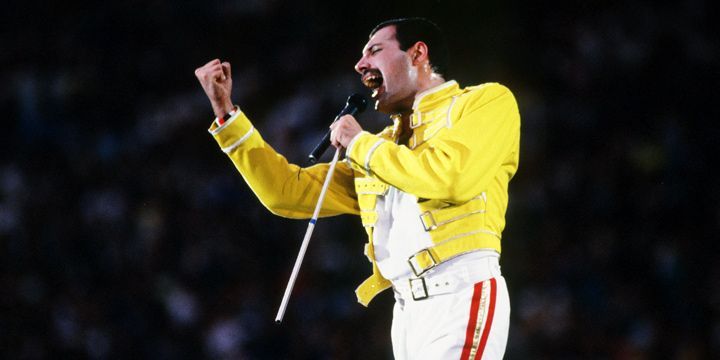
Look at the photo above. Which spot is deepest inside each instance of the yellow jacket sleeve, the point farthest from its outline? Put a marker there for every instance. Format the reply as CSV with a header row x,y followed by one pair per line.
x,y
460,160
283,188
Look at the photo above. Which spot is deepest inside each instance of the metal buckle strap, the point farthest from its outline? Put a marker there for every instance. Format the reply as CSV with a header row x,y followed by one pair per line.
x,y
428,215
420,285
429,223
422,261
428,258
447,280
432,219
415,115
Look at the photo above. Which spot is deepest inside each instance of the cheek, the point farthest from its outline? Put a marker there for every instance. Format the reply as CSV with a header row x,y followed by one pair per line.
x,y
401,73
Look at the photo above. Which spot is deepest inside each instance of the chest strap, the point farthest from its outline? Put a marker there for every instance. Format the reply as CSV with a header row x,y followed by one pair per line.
x,y
432,219
426,259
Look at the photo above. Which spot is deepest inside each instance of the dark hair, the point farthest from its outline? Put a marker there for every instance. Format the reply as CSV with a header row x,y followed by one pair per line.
x,y
408,31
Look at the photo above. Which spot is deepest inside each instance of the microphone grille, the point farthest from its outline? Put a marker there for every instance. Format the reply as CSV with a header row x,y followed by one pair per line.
x,y
358,101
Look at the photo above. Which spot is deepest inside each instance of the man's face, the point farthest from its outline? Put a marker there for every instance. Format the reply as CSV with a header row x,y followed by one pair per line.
x,y
388,72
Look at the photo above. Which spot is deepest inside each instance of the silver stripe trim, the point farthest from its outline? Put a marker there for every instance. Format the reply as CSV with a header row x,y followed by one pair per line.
x,y
421,95
369,154
467,234
239,142
482,196
439,224
449,122
348,150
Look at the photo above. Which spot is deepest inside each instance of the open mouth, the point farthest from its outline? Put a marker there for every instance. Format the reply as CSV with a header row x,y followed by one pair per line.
x,y
373,80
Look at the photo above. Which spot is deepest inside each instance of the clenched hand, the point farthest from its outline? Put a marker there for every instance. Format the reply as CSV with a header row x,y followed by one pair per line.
x,y
216,79
344,130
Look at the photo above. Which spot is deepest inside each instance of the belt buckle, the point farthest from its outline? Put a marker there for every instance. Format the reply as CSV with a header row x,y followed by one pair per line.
x,y
418,116
433,224
424,289
422,270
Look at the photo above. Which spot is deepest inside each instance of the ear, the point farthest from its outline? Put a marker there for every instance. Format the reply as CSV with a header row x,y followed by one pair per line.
x,y
419,53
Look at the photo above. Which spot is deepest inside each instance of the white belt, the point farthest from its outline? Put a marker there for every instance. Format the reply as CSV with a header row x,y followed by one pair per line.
x,y
447,278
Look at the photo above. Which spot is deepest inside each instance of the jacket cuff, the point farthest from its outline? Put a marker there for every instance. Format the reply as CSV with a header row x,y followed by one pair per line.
x,y
352,142
361,150
233,133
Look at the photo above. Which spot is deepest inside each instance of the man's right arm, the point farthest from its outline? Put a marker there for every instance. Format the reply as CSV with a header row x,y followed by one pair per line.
x,y
285,189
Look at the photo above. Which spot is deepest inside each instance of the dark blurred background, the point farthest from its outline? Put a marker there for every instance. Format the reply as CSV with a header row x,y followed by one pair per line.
x,y
126,233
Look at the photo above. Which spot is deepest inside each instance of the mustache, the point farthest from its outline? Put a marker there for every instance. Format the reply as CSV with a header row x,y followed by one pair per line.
x,y
368,72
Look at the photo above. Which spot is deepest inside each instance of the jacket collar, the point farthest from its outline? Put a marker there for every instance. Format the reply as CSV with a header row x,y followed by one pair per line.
x,y
430,97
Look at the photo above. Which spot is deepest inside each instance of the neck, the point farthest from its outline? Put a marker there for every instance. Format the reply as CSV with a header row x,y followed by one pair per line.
x,y
405,130
430,81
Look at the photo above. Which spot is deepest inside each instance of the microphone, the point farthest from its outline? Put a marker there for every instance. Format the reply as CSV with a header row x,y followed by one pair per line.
x,y
356,104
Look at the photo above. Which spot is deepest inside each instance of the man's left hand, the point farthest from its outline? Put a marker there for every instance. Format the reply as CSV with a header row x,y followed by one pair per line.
x,y
343,131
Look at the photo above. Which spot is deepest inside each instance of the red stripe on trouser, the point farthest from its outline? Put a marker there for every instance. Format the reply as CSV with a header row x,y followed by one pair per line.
x,y
473,322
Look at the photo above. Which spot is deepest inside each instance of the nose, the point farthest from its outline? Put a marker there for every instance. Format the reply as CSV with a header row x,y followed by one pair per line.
x,y
362,65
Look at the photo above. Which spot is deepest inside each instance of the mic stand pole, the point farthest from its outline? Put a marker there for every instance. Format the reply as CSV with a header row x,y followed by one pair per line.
x,y
306,241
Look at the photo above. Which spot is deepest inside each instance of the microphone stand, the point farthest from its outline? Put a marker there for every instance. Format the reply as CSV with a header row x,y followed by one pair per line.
x,y
306,240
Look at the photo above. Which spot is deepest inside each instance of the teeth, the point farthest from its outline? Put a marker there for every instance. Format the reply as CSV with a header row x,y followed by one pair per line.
x,y
372,80
372,76
375,92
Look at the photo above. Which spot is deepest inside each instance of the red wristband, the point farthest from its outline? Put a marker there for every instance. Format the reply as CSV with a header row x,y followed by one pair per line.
x,y
227,116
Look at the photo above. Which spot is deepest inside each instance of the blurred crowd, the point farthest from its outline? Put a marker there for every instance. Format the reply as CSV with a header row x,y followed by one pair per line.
x,y
126,233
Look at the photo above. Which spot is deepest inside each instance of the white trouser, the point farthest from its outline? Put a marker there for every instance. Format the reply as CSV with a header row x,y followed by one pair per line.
x,y
462,312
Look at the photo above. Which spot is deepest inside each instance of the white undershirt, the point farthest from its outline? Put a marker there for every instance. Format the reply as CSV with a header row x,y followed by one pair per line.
x,y
398,233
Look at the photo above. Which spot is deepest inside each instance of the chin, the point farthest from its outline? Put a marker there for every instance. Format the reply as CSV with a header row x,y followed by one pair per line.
x,y
393,108
383,105
378,106
383,108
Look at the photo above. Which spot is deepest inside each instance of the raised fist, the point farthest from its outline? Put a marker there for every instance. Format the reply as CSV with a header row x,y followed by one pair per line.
x,y
216,79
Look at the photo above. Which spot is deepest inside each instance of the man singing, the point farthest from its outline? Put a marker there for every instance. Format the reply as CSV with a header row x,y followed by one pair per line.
x,y
431,190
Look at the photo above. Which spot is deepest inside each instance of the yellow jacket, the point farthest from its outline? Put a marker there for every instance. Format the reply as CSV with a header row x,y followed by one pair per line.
x,y
462,153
